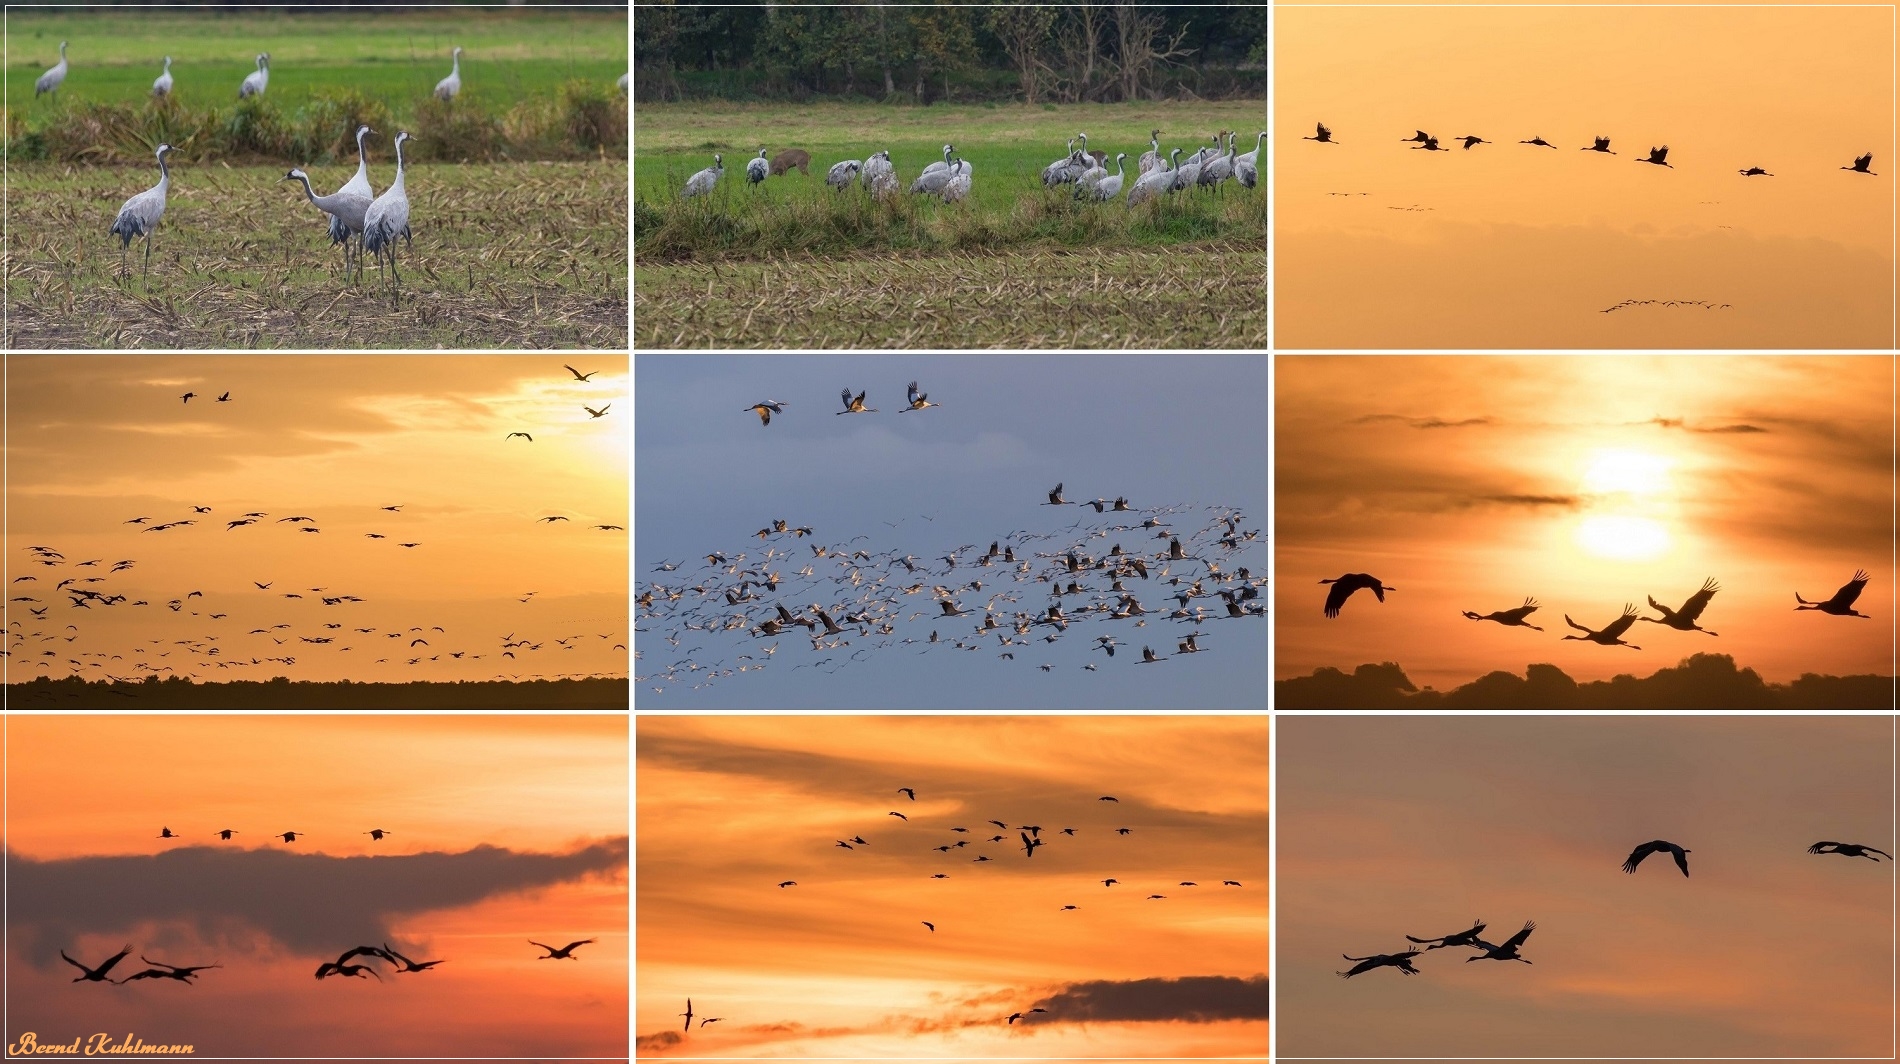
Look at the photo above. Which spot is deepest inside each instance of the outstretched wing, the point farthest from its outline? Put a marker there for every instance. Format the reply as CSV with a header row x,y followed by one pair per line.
x,y
1575,625
1824,847
107,966
1850,590
1698,601
1616,628
913,393
846,394
1518,939
1341,591
1682,860
1323,131
1637,855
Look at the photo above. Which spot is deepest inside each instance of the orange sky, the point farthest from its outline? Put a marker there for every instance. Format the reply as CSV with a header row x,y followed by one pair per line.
x,y
502,829
96,441
1514,245
1470,483
1394,826
841,964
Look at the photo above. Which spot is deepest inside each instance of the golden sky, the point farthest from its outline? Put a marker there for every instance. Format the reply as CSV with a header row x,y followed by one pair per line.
x,y
842,965
1395,826
94,442
502,829
1513,245
1470,483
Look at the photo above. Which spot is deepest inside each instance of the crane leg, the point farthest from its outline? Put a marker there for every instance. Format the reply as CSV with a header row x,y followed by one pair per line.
x,y
147,272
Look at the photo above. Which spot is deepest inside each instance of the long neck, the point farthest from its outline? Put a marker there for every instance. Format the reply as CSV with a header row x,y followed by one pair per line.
x,y
455,69
1118,165
164,173
306,188
362,160
1256,143
398,183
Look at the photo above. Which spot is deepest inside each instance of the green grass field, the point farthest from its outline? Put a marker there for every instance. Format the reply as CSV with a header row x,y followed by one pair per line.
x,y
508,55
510,255
794,263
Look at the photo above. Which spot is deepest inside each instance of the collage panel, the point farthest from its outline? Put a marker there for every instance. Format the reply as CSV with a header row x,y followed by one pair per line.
x,y
1633,887
1584,532
317,178
1564,177
1005,176
221,853
962,887
271,532
1049,532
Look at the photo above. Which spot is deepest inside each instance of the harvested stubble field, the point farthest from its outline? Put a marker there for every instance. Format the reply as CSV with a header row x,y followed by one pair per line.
x,y
1037,298
511,255
791,262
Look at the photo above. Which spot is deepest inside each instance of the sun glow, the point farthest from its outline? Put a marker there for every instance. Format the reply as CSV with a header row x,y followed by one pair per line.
x,y
1626,489
1626,472
1623,538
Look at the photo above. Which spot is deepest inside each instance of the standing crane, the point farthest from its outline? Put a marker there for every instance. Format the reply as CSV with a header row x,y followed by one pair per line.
x,y
163,85
701,183
51,79
357,187
140,214
843,173
878,170
1344,586
1150,158
1511,618
945,164
348,211
388,217
257,80
449,86
1111,186
1684,618
1612,633
1155,181
1842,604
757,169
958,187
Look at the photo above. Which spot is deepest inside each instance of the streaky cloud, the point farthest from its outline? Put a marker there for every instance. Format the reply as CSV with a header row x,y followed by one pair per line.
x,y
1189,999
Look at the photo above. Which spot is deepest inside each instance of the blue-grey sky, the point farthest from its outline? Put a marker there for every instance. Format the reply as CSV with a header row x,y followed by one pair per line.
x,y
1179,431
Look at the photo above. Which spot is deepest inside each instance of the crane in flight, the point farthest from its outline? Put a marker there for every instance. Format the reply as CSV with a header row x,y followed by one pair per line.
x,y
602,412
1602,144
1469,141
1659,156
912,794
407,964
1540,142
855,406
766,409
1612,633
918,400
1321,134
512,435
1647,848
1512,617
167,971
376,834
1344,586
578,375
1056,499
566,953
1419,137
1842,604
1456,938
1684,619
1861,163
1754,171
96,975
1850,849
1401,961
1508,951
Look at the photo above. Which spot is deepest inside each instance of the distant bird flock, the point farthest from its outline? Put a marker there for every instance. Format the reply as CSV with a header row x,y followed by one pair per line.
x,y
1508,950
843,592
951,178
1684,619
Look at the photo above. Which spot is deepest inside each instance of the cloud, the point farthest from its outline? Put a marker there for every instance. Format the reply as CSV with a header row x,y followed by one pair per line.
x,y
1568,502
1191,998
663,1040
1678,423
1426,422
313,904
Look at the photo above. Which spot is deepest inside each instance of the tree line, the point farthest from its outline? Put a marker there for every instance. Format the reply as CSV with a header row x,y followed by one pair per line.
x,y
1083,51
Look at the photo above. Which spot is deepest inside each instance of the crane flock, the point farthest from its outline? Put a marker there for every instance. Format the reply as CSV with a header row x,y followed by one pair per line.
x,y
952,178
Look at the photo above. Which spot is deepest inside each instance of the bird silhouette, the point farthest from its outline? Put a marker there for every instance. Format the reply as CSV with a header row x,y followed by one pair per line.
x,y
1511,618
912,795
225,398
1322,134
926,923
347,970
1401,961
898,815
1420,136
291,836
189,396
407,965
566,953
918,400
689,1004
1602,144
1344,586
1861,164
1612,633
578,375
766,409
1056,499
1850,849
1508,951
376,834
1684,619
788,883
226,833
96,975
1659,156
167,971
1842,604
1540,142
165,833
1469,141
855,406
1754,171
1647,848
602,412
1456,938
1431,144
523,435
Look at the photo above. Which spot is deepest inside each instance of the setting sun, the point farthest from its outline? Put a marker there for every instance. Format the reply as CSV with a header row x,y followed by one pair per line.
x,y
1625,538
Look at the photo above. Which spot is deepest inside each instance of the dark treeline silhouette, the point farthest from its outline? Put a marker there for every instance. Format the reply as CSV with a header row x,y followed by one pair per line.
x,y
280,693
1079,52
1703,681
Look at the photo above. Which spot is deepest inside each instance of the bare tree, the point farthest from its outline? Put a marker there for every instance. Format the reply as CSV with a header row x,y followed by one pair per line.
x,y
1138,55
1079,43
1023,32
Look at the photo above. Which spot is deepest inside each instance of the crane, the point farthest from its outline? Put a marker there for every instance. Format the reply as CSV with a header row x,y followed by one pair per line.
x,y
843,173
1457,938
1512,617
918,400
140,214
855,406
50,80
1152,157
1155,181
702,182
1861,163
1321,134
944,165
1540,142
388,217
766,409
1344,586
357,186
1850,849
348,211
1401,961
1602,144
1508,951
1842,604
1636,856
757,169
449,86
1111,186
878,171
1612,633
1659,156
257,80
1061,171
1684,618
163,85
958,187
1754,171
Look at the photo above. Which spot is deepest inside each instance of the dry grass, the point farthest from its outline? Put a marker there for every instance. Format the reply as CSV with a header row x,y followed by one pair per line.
x,y
1211,296
521,255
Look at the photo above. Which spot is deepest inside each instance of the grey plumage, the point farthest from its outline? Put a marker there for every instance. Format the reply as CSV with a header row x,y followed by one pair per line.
x,y
388,217
701,183
347,212
449,86
756,170
257,80
50,80
162,85
842,174
140,214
